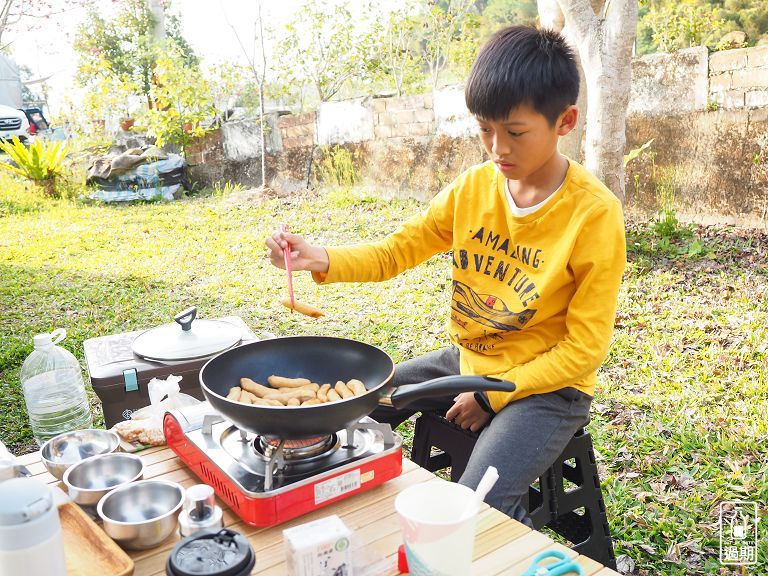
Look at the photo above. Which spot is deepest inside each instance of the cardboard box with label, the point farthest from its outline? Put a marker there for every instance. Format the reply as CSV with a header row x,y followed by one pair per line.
x,y
319,548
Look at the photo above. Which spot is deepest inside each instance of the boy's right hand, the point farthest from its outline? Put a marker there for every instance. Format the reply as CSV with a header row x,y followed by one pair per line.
x,y
304,256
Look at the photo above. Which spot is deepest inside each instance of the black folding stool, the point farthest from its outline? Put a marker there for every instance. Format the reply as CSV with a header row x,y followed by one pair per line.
x,y
553,504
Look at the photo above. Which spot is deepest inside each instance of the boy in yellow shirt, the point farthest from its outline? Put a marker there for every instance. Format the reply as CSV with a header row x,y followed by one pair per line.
x,y
538,253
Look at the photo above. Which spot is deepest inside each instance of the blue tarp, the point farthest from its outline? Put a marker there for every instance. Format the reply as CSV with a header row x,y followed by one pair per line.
x,y
151,180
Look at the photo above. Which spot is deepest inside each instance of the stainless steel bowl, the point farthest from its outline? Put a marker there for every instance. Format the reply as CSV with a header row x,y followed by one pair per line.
x,y
88,480
142,514
60,452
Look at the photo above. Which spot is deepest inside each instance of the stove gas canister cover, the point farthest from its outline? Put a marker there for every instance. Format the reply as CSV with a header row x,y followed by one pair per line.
x,y
319,548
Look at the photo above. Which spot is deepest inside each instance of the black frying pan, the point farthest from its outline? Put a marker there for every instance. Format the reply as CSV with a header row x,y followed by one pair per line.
x,y
321,359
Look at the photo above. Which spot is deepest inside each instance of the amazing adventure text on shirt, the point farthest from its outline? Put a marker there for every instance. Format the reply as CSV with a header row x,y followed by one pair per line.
x,y
499,259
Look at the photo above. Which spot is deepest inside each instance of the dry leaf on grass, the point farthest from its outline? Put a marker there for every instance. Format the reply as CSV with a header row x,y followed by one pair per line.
x,y
625,564
673,553
679,482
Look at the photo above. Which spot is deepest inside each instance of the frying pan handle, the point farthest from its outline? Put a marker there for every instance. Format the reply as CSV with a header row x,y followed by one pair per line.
x,y
445,386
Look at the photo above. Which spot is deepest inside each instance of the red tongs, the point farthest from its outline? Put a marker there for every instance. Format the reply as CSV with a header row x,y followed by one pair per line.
x,y
291,302
287,258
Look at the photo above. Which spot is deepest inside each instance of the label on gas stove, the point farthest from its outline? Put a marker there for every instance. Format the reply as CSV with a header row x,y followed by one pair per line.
x,y
337,486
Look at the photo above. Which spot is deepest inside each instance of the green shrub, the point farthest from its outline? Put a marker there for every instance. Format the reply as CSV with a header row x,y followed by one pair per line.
x,y
338,168
183,101
220,190
667,223
41,161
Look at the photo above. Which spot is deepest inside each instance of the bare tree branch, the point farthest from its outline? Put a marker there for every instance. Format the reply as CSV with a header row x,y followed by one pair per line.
x,y
12,11
259,76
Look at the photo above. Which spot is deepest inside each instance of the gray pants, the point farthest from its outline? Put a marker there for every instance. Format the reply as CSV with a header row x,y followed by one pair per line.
x,y
521,441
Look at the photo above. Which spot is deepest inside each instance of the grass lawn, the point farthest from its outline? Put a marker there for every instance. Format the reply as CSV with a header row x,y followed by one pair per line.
x,y
680,419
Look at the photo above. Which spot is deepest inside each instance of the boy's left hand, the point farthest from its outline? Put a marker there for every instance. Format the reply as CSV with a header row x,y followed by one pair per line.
x,y
467,413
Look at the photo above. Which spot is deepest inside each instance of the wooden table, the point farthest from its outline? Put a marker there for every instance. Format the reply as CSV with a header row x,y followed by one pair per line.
x,y
502,545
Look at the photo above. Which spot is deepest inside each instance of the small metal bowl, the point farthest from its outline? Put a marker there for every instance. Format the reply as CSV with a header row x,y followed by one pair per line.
x,y
60,452
90,479
142,514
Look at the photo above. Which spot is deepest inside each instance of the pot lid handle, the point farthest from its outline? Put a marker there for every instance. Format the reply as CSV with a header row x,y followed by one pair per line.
x,y
185,318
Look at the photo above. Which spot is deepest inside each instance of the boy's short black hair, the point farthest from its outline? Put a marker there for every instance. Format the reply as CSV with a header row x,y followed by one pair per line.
x,y
522,65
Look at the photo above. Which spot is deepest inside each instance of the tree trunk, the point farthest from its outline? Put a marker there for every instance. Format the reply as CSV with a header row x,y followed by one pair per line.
x,y
261,80
550,15
263,138
158,20
606,128
605,48
572,144
260,77
310,163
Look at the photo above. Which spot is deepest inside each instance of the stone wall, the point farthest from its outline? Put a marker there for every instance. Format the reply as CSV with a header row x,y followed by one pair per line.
x,y
298,130
451,115
712,166
208,148
706,113
232,153
347,121
418,166
693,79
664,84
403,117
739,78
708,117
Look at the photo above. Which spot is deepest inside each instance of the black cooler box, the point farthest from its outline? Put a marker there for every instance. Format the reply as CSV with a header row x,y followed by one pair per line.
x,y
119,376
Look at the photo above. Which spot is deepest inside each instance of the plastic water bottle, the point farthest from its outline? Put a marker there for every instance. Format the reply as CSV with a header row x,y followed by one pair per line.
x,y
54,391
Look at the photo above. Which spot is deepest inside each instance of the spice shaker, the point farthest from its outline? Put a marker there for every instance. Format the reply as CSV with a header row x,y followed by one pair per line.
x,y
30,530
200,511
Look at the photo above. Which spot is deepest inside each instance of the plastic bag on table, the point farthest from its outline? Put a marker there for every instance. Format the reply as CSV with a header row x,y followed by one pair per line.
x,y
9,467
145,428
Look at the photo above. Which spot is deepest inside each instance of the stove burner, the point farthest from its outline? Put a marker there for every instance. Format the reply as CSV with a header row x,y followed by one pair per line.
x,y
294,449
264,464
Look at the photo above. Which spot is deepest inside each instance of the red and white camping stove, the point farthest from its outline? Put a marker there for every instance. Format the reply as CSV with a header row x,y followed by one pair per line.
x,y
267,481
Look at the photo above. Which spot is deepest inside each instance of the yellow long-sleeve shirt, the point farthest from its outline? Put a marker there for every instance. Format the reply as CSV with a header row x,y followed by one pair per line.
x,y
534,297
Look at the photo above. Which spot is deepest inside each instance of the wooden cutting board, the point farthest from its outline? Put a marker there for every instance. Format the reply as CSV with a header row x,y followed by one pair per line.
x,y
87,548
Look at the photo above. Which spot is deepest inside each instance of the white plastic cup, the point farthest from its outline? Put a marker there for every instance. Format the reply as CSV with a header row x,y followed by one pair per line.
x,y
438,522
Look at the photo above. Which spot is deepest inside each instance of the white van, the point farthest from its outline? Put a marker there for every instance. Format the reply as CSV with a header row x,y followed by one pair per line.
x,y
13,122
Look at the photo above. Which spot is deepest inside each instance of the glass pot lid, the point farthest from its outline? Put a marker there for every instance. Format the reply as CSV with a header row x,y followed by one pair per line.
x,y
186,338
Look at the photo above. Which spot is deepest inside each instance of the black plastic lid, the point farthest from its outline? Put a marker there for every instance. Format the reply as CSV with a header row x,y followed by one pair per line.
x,y
221,552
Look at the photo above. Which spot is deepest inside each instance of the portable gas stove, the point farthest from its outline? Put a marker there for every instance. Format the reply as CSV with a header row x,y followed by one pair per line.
x,y
267,481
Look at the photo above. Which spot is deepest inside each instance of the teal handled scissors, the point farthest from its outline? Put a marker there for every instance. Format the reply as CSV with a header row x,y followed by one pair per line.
x,y
563,565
